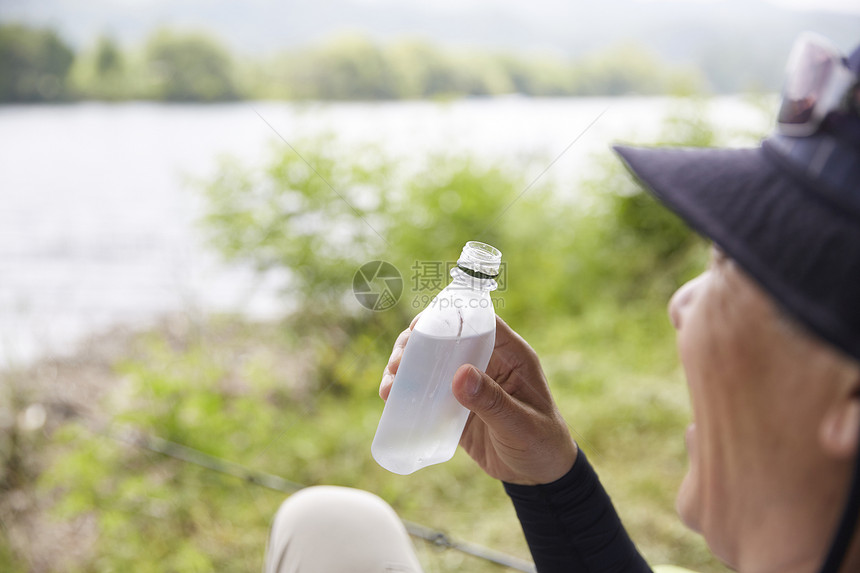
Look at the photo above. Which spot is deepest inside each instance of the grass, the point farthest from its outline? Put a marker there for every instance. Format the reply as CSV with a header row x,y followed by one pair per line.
x,y
236,390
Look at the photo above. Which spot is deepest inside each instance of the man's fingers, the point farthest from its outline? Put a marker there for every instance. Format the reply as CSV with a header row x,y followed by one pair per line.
x,y
414,320
394,362
480,394
385,385
394,359
390,371
397,352
402,339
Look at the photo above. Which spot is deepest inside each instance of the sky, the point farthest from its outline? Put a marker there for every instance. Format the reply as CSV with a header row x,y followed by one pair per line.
x,y
265,26
850,6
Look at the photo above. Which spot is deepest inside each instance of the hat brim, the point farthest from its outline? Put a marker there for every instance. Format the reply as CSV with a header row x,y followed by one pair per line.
x,y
782,234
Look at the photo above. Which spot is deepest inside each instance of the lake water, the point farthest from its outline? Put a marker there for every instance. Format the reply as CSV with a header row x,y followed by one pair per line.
x,y
98,204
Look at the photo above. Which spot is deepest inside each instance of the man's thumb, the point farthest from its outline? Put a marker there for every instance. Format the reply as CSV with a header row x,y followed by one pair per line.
x,y
480,393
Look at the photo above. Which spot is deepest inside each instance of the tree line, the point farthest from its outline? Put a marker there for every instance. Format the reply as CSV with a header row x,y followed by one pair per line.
x,y
37,65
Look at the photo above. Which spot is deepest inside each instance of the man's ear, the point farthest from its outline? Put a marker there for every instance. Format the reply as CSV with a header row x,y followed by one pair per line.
x,y
839,433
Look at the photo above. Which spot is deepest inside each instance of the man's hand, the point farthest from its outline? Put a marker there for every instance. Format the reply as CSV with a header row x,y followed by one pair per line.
x,y
515,431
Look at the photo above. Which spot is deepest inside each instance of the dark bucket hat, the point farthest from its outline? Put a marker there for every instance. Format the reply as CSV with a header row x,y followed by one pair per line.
x,y
788,212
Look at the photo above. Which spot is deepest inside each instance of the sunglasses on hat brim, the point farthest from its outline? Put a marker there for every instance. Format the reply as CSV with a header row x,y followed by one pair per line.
x,y
818,83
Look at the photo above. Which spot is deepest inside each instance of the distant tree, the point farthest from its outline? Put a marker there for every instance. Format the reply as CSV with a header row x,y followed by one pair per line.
x,y
538,76
104,71
425,71
189,67
34,64
622,70
346,67
108,57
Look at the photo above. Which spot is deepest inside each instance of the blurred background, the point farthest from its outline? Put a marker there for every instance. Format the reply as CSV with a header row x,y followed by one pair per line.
x,y
188,188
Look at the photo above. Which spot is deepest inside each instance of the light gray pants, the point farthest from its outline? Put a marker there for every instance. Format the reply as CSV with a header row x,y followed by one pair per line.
x,y
327,529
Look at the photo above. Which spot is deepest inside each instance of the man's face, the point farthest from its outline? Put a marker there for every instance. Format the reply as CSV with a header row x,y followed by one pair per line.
x,y
756,405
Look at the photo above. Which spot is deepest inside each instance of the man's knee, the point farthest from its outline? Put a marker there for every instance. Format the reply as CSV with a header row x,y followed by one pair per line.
x,y
324,528
332,508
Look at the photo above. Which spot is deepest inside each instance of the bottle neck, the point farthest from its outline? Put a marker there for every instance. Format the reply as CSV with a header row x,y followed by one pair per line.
x,y
469,279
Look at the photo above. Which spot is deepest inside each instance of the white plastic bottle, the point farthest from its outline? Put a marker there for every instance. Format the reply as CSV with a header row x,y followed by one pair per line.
x,y
422,421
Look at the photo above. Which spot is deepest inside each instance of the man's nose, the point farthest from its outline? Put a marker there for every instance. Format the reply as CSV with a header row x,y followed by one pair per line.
x,y
681,300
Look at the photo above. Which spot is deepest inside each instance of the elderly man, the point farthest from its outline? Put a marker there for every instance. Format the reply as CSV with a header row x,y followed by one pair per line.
x,y
769,338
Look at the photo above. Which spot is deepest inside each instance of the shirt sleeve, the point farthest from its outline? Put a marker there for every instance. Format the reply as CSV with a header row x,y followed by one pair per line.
x,y
571,525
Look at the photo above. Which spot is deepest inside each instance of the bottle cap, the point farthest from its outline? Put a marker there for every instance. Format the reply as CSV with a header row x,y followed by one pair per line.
x,y
480,260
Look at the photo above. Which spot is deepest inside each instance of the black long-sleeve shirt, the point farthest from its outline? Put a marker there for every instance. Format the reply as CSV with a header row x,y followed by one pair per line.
x,y
571,525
